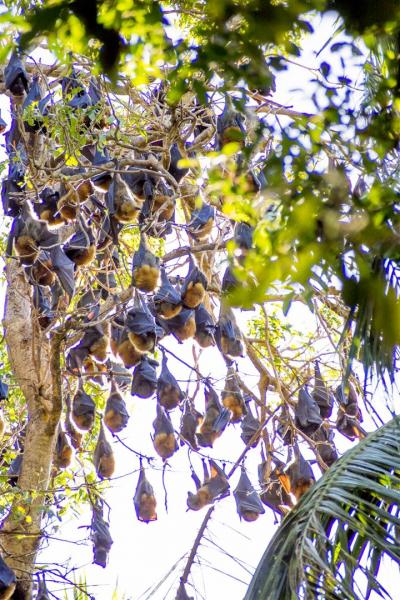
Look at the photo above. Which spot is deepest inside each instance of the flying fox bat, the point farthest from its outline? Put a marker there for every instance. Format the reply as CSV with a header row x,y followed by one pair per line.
x,y
144,381
101,538
323,438
232,397
142,331
81,248
15,77
190,421
215,485
103,457
349,414
249,425
194,286
182,326
144,499
83,409
116,415
63,451
205,327
243,235
248,504
29,236
167,300
230,126
321,394
228,335
145,267
34,96
164,440
215,419
202,221
307,416
7,581
169,394
47,208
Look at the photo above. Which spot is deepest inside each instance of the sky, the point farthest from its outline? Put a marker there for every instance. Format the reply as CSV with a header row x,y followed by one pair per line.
x,y
143,554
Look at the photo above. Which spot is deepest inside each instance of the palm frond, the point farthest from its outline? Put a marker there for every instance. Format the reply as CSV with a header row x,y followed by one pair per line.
x,y
332,543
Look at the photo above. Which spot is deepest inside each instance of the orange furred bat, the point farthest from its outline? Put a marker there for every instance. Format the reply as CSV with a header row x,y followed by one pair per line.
x,y
103,457
144,500
215,485
164,439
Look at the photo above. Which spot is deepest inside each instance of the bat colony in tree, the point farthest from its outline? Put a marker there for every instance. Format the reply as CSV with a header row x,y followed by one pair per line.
x,y
67,232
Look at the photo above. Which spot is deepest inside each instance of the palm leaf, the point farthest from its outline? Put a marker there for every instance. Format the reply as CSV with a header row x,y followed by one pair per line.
x,y
331,544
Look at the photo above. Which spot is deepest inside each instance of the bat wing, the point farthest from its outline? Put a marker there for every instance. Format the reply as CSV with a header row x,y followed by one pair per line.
x,y
64,268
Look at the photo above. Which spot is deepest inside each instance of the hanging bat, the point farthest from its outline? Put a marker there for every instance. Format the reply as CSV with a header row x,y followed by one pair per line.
x,y
202,222
73,88
300,476
102,181
232,397
164,440
83,409
29,236
34,123
228,335
141,328
243,236
229,281
248,504
3,390
307,416
101,538
167,300
8,581
103,457
74,435
15,77
81,248
14,470
42,271
230,126
145,267
321,394
71,197
144,499
205,327
169,394
249,425
323,438
144,381
273,494
121,376
116,416
122,203
215,486
95,341
183,326
63,451
190,421
3,124
107,282
126,351
215,419
64,269
175,156
163,203
349,414
47,209
194,286
42,305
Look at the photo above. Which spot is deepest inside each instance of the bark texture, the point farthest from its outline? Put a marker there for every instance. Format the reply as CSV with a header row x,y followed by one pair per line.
x,y
34,362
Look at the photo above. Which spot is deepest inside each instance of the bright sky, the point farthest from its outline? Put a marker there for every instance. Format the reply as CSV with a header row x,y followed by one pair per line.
x,y
143,554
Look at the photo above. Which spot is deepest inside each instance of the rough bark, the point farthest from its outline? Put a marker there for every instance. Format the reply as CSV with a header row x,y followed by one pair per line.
x,y
34,362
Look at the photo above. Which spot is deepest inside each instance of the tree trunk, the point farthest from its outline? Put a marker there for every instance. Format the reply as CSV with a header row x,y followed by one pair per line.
x,y
35,364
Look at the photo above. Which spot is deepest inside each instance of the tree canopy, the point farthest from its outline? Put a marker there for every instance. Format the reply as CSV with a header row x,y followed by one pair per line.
x,y
154,191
